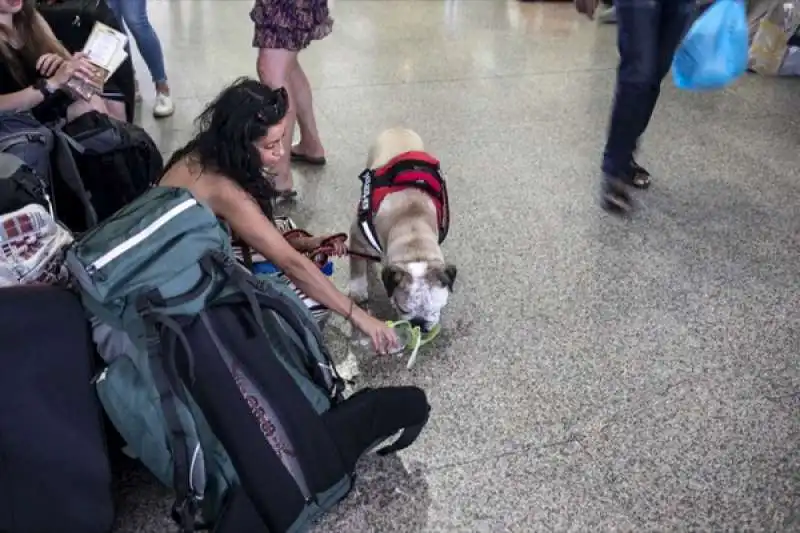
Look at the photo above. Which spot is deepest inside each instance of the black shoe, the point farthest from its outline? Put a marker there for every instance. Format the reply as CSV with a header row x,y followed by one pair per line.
x,y
615,195
640,177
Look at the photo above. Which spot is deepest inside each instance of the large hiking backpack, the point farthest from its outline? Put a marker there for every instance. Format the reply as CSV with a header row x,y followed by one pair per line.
x,y
117,162
221,384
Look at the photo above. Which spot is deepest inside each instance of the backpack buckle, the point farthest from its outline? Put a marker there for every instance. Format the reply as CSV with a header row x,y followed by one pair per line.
x,y
183,513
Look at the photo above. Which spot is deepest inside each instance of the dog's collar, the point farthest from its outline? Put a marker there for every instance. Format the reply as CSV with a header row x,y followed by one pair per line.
x,y
410,169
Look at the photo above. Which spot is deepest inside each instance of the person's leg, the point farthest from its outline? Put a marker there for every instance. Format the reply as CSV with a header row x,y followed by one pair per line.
x,y
309,148
674,20
134,13
608,14
115,6
116,109
274,69
637,40
81,107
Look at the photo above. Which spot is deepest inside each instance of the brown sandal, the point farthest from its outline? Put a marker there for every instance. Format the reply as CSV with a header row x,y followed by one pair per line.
x,y
641,177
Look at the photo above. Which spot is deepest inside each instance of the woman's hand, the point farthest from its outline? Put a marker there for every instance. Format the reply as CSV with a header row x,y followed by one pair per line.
x,y
384,338
48,64
78,65
334,244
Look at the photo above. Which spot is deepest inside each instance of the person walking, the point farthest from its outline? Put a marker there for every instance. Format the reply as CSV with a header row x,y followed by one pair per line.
x,y
648,33
282,29
134,14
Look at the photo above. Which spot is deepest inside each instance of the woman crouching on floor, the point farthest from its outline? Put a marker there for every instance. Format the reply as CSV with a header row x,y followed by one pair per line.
x,y
239,135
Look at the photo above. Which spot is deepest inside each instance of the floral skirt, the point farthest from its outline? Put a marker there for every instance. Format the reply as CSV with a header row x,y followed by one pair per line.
x,y
290,24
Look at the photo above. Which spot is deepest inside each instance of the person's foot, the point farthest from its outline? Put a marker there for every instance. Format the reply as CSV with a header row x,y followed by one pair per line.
x,y
283,186
309,155
164,105
615,195
587,7
607,15
640,177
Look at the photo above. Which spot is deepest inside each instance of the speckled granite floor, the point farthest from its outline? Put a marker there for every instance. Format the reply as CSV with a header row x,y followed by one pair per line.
x,y
594,374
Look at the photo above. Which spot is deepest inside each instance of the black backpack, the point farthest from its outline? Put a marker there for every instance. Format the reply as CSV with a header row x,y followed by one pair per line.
x,y
20,185
117,163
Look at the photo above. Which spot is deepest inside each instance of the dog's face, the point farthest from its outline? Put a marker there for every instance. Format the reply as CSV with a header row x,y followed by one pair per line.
x,y
419,290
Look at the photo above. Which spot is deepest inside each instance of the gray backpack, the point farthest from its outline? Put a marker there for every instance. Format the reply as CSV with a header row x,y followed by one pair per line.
x,y
47,152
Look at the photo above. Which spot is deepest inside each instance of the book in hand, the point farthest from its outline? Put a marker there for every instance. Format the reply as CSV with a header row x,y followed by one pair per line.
x,y
105,50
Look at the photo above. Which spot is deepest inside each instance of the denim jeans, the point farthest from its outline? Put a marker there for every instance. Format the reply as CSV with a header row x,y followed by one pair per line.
x,y
648,32
134,14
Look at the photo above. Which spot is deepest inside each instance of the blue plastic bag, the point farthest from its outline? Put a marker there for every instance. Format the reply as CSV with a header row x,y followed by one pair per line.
x,y
714,52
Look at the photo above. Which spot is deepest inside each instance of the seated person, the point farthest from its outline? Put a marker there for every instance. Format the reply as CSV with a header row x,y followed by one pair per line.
x,y
34,67
239,134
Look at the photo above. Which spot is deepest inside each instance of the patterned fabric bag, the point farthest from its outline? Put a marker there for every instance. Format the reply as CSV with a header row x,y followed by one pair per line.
x,y
259,265
32,247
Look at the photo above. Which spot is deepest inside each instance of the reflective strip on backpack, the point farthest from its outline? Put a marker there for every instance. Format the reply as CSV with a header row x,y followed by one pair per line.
x,y
137,239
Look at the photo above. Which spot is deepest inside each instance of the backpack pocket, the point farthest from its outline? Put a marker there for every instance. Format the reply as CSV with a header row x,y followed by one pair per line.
x,y
132,405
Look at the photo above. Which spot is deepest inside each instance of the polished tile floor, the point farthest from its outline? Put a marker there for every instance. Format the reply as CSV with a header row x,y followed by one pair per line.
x,y
594,374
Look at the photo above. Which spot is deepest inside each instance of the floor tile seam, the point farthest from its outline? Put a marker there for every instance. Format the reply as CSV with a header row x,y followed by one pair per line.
x,y
519,449
439,81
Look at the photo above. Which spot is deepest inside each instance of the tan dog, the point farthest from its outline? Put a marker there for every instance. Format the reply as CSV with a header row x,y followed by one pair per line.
x,y
403,218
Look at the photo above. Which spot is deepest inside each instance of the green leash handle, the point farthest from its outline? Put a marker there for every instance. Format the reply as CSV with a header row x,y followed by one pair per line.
x,y
411,337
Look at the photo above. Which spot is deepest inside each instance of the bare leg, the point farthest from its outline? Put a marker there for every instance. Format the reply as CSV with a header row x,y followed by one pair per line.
x,y
81,107
116,109
274,67
310,143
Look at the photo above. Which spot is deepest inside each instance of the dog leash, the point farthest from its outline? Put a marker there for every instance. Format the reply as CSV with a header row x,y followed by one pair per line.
x,y
322,254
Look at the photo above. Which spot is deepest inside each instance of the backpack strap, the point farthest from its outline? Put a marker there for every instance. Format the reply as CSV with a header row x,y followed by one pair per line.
x,y
258,294
169,393
68,171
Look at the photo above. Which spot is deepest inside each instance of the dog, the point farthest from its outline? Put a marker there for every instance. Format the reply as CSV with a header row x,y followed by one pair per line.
x,y
403,217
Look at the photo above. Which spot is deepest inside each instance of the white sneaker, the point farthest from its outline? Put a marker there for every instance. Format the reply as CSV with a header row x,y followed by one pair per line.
x,y
164,106
608,15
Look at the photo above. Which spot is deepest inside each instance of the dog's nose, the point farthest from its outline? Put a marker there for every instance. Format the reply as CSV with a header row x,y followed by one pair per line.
x,y
419,323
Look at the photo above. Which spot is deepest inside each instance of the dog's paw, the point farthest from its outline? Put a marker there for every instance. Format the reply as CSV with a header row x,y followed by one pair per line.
x,y
359,290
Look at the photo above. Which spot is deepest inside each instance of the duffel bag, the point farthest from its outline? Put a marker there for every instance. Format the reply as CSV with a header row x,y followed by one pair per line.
x,y
55,475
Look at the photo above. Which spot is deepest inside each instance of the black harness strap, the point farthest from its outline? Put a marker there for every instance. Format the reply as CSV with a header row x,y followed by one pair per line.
x,y
372,180
183,511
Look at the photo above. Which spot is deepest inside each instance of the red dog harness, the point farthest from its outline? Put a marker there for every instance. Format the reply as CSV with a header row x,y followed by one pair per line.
x,y
410,169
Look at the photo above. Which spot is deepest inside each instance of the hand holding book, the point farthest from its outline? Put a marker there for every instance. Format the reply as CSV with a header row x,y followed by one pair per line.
x,y
104,52
77,67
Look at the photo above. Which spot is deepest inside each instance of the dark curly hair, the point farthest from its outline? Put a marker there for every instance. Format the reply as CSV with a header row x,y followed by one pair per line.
x,y
227,130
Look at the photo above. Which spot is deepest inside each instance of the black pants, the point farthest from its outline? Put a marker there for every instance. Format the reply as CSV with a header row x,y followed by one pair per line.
x,y
648,34
372,415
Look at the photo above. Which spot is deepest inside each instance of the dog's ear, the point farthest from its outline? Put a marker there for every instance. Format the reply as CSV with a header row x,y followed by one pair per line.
x,y
392,277
447,276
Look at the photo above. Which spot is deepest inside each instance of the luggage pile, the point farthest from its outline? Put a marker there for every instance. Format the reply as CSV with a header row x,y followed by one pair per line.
x,y
216,378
